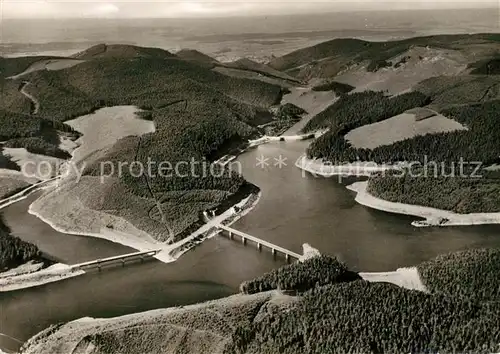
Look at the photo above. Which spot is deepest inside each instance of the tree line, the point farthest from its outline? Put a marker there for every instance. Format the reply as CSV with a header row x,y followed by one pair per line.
x,y
460,313
479,143
460,194
301,276
361,108
14,251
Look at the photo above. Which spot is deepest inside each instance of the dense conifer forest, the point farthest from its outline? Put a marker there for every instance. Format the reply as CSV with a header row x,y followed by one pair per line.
x,y
468,274
361,108
479,143
486,67
7,163
38,145
300,277
337,87
460,313
13,251
440,188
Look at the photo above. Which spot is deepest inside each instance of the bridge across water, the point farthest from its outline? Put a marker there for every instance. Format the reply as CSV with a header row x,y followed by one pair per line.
x,y
143,255
99,263
259,242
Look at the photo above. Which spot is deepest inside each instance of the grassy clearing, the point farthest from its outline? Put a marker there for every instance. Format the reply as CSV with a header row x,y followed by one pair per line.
x,y
478,143
122,51
10,186
399,128
449,91
329,58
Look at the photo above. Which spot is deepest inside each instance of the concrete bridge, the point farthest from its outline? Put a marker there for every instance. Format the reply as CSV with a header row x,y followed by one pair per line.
x,y
98,263
259,243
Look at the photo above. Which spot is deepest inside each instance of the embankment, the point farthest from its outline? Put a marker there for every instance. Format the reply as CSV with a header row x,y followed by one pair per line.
x,y
51,274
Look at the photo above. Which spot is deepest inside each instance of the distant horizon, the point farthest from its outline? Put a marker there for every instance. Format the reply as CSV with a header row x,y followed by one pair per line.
x,y
189,10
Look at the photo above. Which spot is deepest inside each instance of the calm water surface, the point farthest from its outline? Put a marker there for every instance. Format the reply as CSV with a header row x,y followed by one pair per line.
x,y
295,208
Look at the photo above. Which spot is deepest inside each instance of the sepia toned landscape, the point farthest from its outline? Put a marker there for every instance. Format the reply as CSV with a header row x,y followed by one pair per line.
x,y
280,182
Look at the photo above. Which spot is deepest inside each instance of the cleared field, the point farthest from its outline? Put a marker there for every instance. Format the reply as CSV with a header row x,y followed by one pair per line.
x,y
18,175
407,278
247,64
313,102
10,185
105,127
66,208
36,166
459,90
49,64
246,74
398,128
407,70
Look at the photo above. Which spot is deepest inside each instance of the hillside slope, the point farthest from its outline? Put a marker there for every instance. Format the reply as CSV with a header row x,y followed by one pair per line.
x,y
336,315
198,115
327,59
121,51
197,57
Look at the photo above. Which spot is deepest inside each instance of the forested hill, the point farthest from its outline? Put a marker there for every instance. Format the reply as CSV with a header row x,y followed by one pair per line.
x,y
196,56
145,82
331,311
329,58
199,114
13,251
121,51
13,66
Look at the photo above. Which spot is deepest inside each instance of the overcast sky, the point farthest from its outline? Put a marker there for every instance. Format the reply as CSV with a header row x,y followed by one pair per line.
x,y
214,8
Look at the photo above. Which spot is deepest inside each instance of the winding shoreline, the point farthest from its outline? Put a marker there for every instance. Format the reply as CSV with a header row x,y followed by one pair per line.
x,y
44,276
140,244
433,217
360,169
169,253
